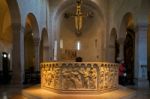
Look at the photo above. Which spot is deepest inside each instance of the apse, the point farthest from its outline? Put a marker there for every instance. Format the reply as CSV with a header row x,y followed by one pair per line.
x,y
86,35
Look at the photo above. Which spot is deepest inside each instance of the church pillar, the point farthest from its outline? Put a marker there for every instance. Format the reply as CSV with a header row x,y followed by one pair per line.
x,y
141,57
111,52
51,52
37,51
121,49
56,50
18,55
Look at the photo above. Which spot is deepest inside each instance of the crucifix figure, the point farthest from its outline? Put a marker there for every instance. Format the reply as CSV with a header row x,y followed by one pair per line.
x,y
78,17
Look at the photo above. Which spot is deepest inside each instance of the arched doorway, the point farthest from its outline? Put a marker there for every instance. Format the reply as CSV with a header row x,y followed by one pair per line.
x,y
44,46
127,45
29,54
31,50
32,40
113,46
129,53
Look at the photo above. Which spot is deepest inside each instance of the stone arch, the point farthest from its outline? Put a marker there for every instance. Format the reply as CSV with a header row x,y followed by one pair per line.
x,y
31,18
127,22
10,17
127,45
64,5
17,32
6,33
113,35
14,11
113,46
44,46
58,18
29,49
32,42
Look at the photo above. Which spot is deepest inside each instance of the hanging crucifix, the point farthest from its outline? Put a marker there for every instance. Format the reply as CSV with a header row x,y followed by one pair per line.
x,y
78,17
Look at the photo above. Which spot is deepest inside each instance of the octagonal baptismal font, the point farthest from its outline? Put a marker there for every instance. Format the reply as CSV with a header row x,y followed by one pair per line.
x,y
79,77
65,80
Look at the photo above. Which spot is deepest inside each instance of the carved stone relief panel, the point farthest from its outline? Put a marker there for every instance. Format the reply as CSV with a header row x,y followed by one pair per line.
x,y
108,77
79,76
50,75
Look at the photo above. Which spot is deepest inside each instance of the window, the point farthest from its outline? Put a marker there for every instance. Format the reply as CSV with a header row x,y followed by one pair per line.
x,y
78,45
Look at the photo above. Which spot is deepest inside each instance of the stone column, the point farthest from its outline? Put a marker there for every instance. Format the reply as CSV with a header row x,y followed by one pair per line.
x,y
55,50
141,57
37,54
50,52
121,49
18,55
46,53
111,52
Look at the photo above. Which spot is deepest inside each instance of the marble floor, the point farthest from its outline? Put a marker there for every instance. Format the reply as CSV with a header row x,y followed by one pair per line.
x,y
14,92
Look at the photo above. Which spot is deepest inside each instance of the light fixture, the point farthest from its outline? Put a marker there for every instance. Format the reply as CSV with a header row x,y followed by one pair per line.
x,y
78,45
5,55
61,43
32,33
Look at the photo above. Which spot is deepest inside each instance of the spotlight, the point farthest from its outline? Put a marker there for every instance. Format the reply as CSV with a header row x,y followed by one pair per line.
x,y
5,55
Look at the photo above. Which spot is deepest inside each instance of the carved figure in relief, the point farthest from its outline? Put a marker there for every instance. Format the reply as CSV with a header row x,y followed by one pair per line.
x,y
86,78
67,81
44,77
81,73
107,77
50,77
92,78
75,76
57,78
111,79
101,78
